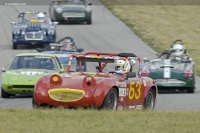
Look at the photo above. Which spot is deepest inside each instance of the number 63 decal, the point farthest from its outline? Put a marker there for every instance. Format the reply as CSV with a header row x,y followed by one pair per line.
x,y
135,90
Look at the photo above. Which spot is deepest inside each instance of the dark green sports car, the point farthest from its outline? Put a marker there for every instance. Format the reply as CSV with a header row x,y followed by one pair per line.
x,y
170,73
71,11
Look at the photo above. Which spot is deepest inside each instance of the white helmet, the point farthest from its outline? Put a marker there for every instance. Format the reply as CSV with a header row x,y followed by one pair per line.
x,y
132,62
41,17
119,65
178,49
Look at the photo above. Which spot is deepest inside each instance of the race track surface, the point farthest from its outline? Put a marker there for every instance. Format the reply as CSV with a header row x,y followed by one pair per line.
x,y
106,34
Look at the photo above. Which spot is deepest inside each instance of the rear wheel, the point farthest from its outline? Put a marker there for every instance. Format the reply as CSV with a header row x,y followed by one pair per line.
x,y
111,100
149,101
4,94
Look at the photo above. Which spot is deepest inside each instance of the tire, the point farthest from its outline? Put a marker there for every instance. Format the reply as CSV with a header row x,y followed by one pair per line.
x,y
89,21
34,104
111,100
191,90
14,46
149,101
4,94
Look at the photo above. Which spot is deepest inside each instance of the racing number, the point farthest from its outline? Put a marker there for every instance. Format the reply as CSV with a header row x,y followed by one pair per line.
x,y
135,92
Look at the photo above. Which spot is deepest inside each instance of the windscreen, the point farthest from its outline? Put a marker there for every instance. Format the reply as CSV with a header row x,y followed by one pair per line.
x,y
34,62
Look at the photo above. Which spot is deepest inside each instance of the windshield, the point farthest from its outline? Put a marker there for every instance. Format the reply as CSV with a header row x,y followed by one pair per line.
x,y
34,62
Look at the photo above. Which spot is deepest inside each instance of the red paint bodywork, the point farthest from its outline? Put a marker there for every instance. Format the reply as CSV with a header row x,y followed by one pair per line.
x,y
98,88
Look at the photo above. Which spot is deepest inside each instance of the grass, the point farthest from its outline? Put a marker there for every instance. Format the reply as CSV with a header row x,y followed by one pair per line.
x,y
159,23
90,121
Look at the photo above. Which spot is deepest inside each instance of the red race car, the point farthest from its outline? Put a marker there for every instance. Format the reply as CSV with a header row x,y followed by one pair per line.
x,y
97,89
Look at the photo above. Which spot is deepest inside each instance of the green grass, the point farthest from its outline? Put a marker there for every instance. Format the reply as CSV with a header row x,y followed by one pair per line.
x,y
159,24
93,121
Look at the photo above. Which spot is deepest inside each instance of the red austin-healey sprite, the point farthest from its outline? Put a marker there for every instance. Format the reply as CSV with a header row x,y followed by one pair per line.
x,y
100,88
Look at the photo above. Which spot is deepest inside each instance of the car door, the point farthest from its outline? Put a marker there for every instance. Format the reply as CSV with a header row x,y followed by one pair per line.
x,y
135,93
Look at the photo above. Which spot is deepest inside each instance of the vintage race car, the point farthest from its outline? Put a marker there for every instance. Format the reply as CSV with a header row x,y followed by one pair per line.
x,y
170,73
28,31
25,70
71,11
98,89
63,54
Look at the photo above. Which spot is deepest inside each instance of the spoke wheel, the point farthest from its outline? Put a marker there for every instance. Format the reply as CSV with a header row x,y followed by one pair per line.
x,y
111,100
149,101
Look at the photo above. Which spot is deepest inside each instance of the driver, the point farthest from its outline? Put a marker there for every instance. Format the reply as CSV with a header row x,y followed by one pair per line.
x,y
124,66
68,45
179,51
41,17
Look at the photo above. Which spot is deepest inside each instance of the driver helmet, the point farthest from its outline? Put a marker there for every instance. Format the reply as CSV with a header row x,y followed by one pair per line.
x,y
68,44
178,49
119,65
41,17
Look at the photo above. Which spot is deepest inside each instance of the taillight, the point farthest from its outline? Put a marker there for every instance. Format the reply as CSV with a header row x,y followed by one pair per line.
x,y
188,74
56,79
145,73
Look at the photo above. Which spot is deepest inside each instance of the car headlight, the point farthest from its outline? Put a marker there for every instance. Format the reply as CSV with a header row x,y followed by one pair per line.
x,y
58,10
44,32
16,31
23,32
51,32
88,9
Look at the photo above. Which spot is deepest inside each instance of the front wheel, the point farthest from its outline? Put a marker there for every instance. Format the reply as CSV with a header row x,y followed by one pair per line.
x,y
149,101
191,90
14,46
111,100
4,94
89,21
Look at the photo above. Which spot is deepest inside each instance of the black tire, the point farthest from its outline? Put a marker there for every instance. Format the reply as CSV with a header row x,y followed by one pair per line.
x,y
14,46
149,101
34,104
89,21
111,100
191,90
4,94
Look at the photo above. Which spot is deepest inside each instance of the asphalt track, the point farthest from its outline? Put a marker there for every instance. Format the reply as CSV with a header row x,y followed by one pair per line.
x,y
106,34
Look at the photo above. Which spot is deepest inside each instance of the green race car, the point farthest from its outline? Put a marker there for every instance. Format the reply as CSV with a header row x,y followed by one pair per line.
x,y
170,73
71,11
25,70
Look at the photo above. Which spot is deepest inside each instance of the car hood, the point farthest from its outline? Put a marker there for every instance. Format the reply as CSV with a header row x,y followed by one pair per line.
x,y
26,76
72,7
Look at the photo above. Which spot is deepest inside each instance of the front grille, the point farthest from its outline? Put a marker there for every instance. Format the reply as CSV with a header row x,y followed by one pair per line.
x,y
33,36
169,81
23,86
66,95
73,14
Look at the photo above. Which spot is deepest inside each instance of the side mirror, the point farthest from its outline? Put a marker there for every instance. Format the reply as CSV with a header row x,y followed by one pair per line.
x,y
3,69
13,23
62,70
89,4
80,50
